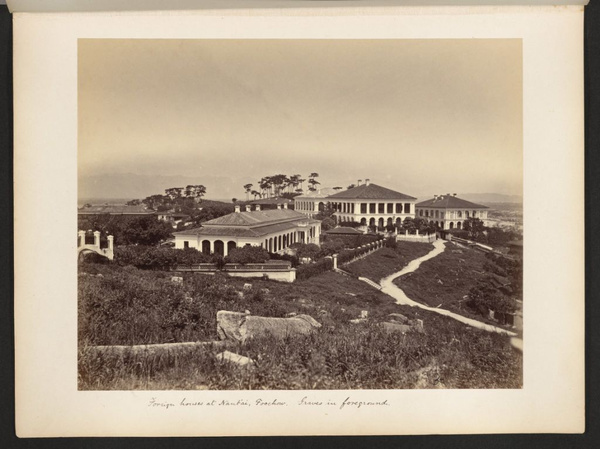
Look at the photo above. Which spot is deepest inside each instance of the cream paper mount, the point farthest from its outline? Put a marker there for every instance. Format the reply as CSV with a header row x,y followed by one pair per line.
x,y
48,403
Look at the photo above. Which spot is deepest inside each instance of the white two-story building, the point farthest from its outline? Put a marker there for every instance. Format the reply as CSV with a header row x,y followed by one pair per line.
x,y
372,205
450,212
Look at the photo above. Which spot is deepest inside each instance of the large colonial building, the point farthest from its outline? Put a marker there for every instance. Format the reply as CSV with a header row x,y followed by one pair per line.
x,y
311,203
450,212
273,230
367,204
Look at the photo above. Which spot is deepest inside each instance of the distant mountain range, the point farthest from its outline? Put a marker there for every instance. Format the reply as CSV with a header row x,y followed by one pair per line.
x,y
491,198
121,187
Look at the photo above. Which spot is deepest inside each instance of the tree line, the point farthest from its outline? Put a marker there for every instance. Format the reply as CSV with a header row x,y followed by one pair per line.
x,y
174,198
284,186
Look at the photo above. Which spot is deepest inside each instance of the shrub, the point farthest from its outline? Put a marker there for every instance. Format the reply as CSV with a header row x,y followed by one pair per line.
x,y
293,259
153,258
128,230
484,297
327,224
390,242
313,269
93,258
308,250
330,247
247,254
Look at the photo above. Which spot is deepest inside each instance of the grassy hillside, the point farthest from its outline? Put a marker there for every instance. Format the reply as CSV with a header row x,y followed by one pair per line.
x,y
446,280
386,261
129,306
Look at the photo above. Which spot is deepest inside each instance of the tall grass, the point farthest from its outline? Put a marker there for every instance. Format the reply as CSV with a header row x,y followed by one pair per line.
x,y
361,357
127,306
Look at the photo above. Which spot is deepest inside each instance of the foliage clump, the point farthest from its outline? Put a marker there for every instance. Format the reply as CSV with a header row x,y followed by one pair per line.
x,y
247,254
158,258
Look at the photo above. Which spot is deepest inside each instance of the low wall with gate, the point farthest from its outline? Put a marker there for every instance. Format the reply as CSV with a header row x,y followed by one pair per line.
x,y
425,238
277,271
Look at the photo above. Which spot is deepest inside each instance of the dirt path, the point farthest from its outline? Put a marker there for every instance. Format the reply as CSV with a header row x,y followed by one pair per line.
x,y
388,287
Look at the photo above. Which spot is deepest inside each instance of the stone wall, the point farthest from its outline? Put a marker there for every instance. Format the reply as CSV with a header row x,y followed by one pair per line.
x,y
426,238
278,272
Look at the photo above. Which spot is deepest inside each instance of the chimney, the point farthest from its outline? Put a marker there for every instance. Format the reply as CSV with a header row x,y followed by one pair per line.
x,y
237,208
248,208
367,181
257,207
454,194
359,181
278,206
285,205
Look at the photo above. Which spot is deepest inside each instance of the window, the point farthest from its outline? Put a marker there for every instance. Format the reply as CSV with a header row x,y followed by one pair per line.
x,y
398,208
390,208
459,214
363,208
186,244
381,208
407,208
372,208
421,213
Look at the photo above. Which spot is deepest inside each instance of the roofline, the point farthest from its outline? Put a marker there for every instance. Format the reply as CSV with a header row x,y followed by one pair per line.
x,y
261,224
402,197
474,205
197,231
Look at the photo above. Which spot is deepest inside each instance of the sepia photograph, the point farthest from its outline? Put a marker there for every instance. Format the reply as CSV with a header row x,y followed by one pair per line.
x,y
299,222
300,214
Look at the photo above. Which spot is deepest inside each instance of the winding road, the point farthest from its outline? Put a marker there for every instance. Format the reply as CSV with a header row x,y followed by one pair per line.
x,y
388,287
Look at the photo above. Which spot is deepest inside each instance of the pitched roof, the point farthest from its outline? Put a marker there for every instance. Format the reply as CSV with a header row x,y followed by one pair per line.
x,y
250,224
449,202
370,192
255,217
343,230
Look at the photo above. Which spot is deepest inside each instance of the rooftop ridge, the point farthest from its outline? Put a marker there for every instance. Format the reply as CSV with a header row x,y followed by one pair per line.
x,y
371,191
449,201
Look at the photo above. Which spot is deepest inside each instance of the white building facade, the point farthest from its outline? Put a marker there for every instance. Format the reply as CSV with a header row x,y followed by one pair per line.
x,y
450,212
274,230
372,205
311,203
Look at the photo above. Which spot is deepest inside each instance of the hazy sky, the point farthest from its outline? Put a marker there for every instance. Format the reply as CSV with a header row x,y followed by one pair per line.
x,y
418,116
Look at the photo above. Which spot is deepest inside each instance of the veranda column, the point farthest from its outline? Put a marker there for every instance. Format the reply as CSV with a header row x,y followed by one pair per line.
x,y
81,237
97,239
